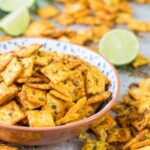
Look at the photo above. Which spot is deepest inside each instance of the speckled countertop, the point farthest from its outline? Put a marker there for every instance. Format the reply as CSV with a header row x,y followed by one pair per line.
x,y
127,75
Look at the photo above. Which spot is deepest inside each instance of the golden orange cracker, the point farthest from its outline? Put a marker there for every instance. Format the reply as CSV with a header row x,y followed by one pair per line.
x,y
27,51
120,135
5,59
33,95
61,96
56,106
38,29
106,122
119,108
7,147
39,86
145,84
5,38
11,113
56,72
40,118
47,12
7,92
140,60
29,80
12,71
98,98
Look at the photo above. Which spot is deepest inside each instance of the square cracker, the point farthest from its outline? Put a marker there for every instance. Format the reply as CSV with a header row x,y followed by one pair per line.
x,y
7,147
28,51
11,113
74,85
106,122
5,58
120,135
26,104
12,71
33,95
7,93
56,72
56,106
40,118
28,64
95,81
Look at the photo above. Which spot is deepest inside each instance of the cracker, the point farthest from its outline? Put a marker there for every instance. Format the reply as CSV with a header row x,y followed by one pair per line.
x,y
145,84
39,28
34,95
119,135
142,136
95,82
7,147
56,72
43,78
5,38
7,93
27,67
39,86
140,60
73,64
43,61
56,106
29,80
74,86
119,108
106,122
26,104
40,118
27,51
78,106
47,12
5,59
11,113
12,71
61,96
98,98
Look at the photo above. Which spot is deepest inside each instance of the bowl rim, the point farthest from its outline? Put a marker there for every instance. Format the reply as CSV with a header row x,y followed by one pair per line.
x,y
74,124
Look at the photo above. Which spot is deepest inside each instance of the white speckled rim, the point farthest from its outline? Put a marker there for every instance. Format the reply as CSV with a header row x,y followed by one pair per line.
x,y
79,48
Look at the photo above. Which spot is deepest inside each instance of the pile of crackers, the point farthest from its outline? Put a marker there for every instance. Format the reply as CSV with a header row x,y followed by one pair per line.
x,y
41,89
130,128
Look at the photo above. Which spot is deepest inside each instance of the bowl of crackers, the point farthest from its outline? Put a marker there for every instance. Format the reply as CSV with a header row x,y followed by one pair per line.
x,y
51,91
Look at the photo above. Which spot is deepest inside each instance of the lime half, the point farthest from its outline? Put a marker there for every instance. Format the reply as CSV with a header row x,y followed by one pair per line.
x,y
11,5
16,22
119,46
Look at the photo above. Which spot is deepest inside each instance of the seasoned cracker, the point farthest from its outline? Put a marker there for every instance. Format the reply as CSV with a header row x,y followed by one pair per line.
x,y
95,82
27,67
11,113
98,98
140,60
106,122
38,29
120,135
7,147
39,86
47,12
61,96
56,72
12,71
7,93
5,59
26,104
5,38
29,80
33,95
40,118
27,51
119,108
56,106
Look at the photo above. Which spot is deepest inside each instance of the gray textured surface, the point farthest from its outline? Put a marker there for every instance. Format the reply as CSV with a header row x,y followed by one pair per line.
x,y
141,12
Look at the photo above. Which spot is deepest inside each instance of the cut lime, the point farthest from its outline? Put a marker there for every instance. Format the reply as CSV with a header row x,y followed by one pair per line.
x,y
119,46
11,5
16,22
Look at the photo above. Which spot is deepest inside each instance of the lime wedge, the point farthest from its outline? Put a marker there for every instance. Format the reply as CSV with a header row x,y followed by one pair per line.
x,y
16,22
11,5
119,46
